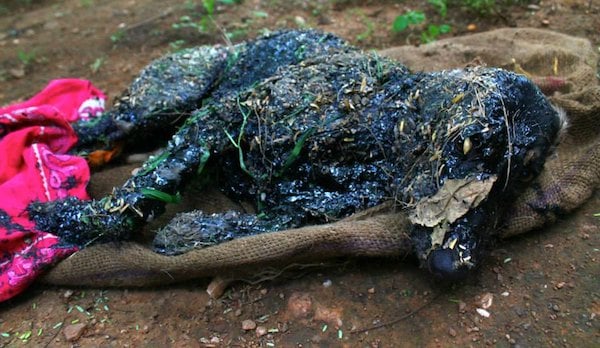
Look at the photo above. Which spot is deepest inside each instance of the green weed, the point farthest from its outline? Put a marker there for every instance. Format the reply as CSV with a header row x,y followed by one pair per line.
x,y
369,24
368,31
161,196
433,31
486,7
480,6
188,22
418,18
402,22
118,36
26,57
97,64
441,6
260,14
238,144
176,45
202,25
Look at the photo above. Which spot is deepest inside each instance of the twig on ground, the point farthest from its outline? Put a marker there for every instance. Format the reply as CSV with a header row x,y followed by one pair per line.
x,y
397,320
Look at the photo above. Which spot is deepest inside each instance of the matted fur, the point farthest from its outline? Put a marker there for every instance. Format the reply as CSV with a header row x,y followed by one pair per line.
x,y
566,65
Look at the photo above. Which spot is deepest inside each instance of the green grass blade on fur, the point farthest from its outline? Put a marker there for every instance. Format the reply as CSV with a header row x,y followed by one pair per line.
x,y
161,196
295,153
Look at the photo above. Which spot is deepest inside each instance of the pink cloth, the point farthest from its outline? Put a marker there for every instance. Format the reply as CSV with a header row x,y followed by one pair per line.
x,y
34,166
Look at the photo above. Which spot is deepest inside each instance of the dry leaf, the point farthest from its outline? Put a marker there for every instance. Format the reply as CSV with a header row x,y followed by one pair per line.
x,y
437,236
452,201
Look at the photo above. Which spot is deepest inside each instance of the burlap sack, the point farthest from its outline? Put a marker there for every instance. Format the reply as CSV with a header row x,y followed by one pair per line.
x,y
564,66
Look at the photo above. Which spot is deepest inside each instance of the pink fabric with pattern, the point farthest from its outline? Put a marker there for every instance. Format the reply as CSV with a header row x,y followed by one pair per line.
x,y
34,166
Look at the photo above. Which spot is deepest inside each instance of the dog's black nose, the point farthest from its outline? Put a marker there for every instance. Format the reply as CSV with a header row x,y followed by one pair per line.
x,y
445,264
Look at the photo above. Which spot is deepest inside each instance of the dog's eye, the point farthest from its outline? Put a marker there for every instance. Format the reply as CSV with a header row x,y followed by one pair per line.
x,y
526,175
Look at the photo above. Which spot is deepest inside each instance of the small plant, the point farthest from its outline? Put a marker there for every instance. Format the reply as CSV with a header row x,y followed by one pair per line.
x,y
187,22
209,6
441,6
117,36
202,25
26,57
415,18
480,6
97,64
86,3
368,31
176,45
402,22
433,31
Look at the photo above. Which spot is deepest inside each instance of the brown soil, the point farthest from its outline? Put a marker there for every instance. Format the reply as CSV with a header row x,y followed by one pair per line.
x,y
544,287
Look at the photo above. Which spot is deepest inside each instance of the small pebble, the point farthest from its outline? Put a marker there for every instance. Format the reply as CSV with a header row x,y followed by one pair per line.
x,y
316,339
483,312
248,325
505,294
472,329
261,331
17,72
545,22
331,316
462,307
217,287
283,327
452,332
486,300
371,290
74,331
299,305
559,285
327,283
300,21
472,27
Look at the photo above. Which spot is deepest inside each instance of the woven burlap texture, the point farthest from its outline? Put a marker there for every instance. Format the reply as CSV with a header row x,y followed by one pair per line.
x,y
566,64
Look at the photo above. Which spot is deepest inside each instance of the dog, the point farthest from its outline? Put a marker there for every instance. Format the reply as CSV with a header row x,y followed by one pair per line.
x,y
312,130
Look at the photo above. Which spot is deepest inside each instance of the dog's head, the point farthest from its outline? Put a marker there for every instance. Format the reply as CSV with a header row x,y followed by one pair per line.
x,y
490,132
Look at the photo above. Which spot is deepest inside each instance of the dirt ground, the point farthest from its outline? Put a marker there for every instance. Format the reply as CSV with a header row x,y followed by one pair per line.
x,y
539,290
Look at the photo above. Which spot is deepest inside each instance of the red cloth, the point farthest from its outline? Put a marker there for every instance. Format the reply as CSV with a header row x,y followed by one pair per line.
x,y
34,166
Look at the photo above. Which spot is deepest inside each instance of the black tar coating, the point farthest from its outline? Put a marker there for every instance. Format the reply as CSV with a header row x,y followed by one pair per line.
x,y
313,130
